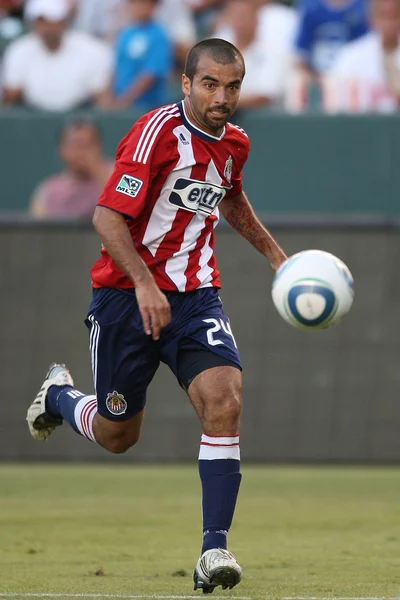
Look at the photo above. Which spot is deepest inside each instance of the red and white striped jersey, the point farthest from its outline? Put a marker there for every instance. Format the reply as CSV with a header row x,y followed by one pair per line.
x,y
168,180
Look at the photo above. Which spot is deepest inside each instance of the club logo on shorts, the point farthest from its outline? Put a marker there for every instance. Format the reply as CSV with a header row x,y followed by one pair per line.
x,y
116,403
197,196
129,185
228,169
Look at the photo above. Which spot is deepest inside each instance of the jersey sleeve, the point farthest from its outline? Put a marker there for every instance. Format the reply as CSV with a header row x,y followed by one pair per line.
x,y
138,158
239,160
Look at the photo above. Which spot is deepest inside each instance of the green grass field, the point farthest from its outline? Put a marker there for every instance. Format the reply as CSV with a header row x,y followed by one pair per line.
x,y
135,531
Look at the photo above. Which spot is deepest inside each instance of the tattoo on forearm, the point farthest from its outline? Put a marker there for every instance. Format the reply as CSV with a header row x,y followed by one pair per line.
x,y
241,216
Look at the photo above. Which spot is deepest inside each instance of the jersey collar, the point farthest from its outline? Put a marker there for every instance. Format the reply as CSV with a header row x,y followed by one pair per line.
x,y
195,130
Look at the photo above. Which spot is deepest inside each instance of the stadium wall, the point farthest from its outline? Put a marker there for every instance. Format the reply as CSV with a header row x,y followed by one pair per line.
x,y
323,396
298,164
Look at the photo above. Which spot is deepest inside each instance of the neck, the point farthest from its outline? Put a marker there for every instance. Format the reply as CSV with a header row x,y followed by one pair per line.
x,y
53,47
80,175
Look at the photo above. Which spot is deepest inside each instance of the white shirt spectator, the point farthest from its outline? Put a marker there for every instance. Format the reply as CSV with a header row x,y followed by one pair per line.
x,y
265,73
357,81
60,80
268,58
277,26
98,17
177,19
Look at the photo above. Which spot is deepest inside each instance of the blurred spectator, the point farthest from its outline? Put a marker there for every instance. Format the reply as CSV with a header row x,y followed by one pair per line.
x,y
75,191
98,17
324,27
143,61
52,68
11,25
277,26
264,81
177,18
205,12
11,22
366,73
104,18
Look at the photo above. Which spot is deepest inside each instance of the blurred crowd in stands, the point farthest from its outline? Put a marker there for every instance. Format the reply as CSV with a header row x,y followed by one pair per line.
x,y
336,55
121,55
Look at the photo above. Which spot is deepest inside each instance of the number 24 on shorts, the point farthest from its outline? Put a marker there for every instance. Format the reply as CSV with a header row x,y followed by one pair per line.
x,y
218,325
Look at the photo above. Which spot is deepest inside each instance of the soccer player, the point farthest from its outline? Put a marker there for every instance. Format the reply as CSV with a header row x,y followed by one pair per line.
x,y
155,290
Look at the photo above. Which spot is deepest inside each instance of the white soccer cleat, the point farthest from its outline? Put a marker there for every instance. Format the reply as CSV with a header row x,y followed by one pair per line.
x,y
216,567
40,423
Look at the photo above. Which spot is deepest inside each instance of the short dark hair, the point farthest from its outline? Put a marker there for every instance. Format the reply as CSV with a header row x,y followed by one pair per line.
x,y
221,51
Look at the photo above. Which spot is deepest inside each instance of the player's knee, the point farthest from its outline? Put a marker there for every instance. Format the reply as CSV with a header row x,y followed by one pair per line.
x,y
120,443
226,409
232,407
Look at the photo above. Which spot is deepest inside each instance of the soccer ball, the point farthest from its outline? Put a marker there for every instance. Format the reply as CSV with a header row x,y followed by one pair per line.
x,y
313,289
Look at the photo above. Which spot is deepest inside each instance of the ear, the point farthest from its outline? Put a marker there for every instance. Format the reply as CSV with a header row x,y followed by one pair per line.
x,y
186,85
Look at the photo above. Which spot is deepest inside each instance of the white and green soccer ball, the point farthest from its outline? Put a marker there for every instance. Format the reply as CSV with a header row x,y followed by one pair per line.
x,y
313,289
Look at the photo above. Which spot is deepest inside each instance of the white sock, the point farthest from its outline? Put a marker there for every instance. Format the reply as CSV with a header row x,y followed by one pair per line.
x,y
83,415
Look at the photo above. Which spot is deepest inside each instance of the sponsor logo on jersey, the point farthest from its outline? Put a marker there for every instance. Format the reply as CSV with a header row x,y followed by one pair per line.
x,y
197,196
228,169
116,403
129,185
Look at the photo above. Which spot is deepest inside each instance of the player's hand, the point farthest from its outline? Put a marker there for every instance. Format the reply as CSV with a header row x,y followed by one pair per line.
x,y
154,308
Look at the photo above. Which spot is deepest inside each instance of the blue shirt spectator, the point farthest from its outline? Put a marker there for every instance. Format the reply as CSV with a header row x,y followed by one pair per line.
x,y
143,57
324,27
143,49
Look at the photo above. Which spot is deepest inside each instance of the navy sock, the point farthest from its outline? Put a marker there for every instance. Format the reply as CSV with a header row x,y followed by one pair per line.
x,y
220,478
74,407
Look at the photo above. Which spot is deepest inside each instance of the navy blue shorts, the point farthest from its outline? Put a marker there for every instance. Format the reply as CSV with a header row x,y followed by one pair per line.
x,y
125,359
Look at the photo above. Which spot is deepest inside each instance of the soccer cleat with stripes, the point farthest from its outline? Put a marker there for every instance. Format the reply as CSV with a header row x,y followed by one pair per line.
x,y
216,567
40,423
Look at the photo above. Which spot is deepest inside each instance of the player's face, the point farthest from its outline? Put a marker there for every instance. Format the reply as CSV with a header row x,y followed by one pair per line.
x,y
212,96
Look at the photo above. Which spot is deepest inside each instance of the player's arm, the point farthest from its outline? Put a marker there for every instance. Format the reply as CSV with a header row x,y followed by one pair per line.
x,y
114,233
239,213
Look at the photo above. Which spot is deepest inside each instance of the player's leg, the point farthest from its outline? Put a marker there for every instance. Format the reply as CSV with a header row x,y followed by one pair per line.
x,y
216,394
57,401
208,366
124,361
118,437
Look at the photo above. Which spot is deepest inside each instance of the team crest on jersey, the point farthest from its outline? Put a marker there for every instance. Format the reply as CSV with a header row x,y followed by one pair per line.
x,y
129,185
228,169
116,403
197,196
